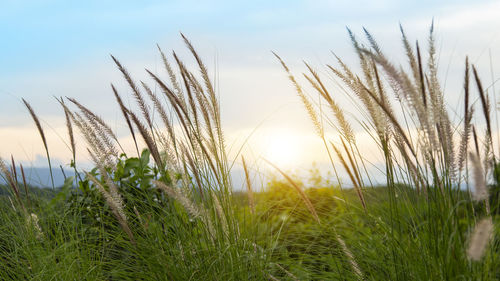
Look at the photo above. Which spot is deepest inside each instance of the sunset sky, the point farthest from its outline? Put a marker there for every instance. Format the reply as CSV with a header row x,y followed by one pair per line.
x,y
61,48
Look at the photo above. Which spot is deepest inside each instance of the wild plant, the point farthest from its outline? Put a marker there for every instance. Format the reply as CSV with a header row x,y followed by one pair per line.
x,y
425,155
189,174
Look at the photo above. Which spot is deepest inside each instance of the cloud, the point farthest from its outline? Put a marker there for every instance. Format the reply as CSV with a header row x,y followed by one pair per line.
x,y
479,15
254,90
25,145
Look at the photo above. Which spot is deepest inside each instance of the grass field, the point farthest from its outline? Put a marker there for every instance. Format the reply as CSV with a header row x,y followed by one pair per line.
x,y
168,211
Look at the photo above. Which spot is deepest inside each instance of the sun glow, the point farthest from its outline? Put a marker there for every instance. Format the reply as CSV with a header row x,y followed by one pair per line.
x,y
282,149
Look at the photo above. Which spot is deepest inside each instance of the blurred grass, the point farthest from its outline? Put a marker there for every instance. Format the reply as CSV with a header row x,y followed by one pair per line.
x,y
76,245
171,213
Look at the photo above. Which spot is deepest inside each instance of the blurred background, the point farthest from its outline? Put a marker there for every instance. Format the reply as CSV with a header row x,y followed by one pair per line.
x,y
62,48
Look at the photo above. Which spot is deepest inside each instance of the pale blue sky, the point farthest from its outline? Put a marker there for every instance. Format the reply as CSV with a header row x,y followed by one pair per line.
x,y
41,34
62,48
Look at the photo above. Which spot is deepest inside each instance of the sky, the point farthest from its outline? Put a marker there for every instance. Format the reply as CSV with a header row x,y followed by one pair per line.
x,y
62,48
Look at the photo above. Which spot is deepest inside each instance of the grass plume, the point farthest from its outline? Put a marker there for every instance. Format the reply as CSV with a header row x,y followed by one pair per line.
x,y
42,136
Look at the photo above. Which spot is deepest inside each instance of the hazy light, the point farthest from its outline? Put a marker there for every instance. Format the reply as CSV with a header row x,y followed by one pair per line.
x,y
282,149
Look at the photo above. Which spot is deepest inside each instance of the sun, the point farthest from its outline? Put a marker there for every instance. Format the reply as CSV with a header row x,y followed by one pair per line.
x,y
282,149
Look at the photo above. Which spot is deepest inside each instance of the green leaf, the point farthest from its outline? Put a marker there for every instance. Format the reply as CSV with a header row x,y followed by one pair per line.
x,y
64,192
145,157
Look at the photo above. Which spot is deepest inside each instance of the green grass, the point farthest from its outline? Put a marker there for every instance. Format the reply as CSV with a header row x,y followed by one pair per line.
x,y
170,212
408,245
77,245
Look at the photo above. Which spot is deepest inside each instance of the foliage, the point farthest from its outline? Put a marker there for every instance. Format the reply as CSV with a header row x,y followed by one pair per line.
x,y
171,212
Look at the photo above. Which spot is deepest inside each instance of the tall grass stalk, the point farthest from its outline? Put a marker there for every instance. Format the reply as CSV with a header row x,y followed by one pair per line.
x,y
171,212
42,136
424,168
193,170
